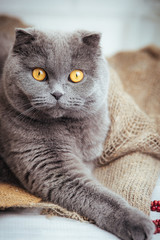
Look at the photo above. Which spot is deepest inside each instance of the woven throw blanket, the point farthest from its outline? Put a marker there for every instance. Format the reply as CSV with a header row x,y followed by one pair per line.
x,y
130,163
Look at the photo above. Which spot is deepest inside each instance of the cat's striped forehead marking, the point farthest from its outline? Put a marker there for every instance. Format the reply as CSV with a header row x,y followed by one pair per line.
x,y
59,53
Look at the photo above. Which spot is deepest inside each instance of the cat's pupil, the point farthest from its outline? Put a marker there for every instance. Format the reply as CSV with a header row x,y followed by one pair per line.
x,y
77,74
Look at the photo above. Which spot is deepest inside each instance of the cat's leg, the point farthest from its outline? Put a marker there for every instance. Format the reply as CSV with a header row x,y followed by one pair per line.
x,y
63,179
108,210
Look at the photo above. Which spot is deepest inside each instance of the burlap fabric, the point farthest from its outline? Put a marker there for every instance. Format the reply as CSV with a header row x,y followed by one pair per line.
x,y
130,162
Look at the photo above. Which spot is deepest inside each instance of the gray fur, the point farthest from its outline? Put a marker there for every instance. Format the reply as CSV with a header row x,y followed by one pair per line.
x,y
51,145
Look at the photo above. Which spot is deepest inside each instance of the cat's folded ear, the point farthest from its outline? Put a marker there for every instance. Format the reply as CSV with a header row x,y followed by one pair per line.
x,y
91,39
23,37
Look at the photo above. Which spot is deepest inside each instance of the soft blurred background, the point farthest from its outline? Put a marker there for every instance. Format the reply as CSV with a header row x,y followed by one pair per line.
x,y
125,24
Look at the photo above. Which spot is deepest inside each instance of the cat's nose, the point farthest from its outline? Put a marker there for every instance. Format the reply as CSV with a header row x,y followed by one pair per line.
x,y
57,95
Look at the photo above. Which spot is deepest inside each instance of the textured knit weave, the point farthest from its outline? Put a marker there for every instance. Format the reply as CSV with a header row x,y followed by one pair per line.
x,y
133,128
132,148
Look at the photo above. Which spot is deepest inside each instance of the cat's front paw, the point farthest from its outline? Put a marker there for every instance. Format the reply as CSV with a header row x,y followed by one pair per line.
x,y
128,224
136,226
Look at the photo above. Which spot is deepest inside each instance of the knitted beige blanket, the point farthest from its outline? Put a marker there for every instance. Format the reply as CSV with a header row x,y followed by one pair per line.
x,y
130,162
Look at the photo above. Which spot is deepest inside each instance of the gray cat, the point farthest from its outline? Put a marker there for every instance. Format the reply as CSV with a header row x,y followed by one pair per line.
x,y
53,122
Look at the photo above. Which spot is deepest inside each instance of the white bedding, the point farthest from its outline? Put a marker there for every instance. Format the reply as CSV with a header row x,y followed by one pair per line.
x,y
30,225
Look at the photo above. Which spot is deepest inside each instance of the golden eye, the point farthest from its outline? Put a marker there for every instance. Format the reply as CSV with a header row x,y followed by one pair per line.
x,y
39,74
76,76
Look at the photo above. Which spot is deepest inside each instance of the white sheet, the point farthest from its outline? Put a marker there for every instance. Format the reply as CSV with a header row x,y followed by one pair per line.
x,y
30,225
24,225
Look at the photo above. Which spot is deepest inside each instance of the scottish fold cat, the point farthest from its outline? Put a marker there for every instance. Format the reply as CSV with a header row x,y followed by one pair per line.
x,y
53,122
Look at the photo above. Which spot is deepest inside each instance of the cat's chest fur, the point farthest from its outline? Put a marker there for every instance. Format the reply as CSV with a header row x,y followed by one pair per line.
x,y
90,135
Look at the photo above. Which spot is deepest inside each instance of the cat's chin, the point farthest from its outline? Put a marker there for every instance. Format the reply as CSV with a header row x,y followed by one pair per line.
x,y
56,112
60,113
61,110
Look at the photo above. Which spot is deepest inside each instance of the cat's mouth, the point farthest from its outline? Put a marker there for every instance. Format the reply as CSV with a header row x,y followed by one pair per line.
x,y
55,111
59,105
44,105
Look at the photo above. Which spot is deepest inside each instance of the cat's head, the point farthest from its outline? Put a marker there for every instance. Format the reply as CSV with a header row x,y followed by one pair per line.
x,y
56,75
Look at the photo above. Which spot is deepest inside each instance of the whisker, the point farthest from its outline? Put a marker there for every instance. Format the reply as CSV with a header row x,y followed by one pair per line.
x,y
37,100
34,113
12,110
41,105
22,114
37,103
